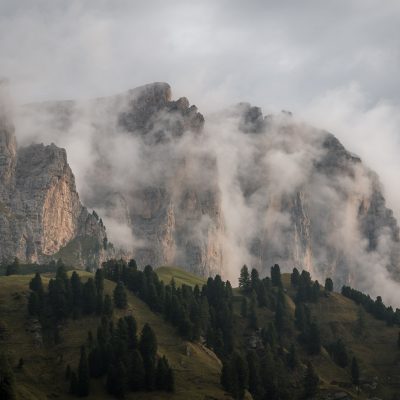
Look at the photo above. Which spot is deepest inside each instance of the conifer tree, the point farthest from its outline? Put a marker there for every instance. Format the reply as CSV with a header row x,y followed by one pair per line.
x,y
148,350
34,304
244,307
136,372
120,298
355,372
36,284
83,386
328,285
107,306
244,279
276,279
292,359
294,277
311,382
89,297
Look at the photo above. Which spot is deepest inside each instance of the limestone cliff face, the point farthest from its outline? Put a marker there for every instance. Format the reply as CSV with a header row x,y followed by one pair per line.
x,y
209,196
40,211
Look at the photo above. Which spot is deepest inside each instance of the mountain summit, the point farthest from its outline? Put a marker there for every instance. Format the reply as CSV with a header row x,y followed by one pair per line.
x,y
175,188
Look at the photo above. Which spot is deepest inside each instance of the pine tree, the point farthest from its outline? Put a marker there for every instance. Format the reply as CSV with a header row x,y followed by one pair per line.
x,y
148,350
253,320
328,285
242,374
276,279
8,389
254,383
89,297
36,284
120,298
254,279
34,304
292,359
99,280
244,307
311,382
355,372
294,277
107,306
76,294
244,279
83,386
136,372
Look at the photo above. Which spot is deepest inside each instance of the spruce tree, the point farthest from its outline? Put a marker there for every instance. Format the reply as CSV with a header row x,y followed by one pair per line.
x,y
83,386
244,307
148,350
107,306
89,297
294,277
355,372
292,358
119,294
311,382
254,383
136,372
244,279
36,284
276,279
328,285
34,304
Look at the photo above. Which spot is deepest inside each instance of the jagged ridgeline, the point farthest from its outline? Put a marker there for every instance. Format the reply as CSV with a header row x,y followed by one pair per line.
x,y
127,333
174,188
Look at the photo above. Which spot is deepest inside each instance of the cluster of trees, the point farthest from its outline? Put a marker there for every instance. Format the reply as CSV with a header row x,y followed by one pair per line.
x,y
67,297
310,335
375,307
307,290
129,363
17,268
195,312
265,374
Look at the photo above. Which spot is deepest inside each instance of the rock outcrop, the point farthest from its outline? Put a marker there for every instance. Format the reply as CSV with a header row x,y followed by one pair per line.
x,y
209,196
40,210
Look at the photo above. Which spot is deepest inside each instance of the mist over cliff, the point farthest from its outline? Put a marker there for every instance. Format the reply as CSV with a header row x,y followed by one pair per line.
x,y
212,193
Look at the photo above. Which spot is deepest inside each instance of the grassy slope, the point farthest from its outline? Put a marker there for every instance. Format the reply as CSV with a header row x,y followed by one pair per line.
x,y
180,276
196,369
197,375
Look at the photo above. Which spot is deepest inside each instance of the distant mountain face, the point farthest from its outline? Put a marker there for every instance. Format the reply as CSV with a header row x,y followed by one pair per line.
x,y
40,211
213,194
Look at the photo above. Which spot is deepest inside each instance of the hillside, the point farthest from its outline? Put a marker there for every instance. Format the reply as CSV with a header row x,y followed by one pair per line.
x,y
197,369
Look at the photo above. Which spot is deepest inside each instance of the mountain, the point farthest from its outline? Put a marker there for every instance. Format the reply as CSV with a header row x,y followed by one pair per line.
x,y
40,210
175,188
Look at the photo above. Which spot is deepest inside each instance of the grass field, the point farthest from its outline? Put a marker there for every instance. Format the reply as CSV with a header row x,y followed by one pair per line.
x,y
180,276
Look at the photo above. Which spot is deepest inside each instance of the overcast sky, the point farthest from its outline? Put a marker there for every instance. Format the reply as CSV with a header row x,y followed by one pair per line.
x,y
336,63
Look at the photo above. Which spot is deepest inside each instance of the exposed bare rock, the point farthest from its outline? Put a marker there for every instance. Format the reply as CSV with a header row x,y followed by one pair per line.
x,y
40,210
